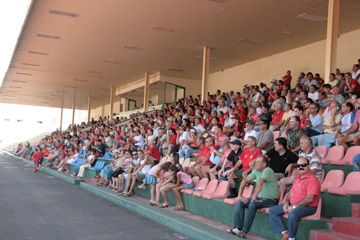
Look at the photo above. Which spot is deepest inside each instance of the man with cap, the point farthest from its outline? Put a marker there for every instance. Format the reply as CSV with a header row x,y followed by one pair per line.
x,y
230,162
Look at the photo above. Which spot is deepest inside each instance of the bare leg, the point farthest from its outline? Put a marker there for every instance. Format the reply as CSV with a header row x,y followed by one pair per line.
x,y
157,196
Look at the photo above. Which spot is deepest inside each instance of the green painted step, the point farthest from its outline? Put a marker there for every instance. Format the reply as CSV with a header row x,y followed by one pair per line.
x,y
346,169
186,226
217,210
336,205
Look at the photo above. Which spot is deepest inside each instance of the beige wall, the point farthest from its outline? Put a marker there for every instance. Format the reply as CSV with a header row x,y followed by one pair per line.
x,y
303,59
193,86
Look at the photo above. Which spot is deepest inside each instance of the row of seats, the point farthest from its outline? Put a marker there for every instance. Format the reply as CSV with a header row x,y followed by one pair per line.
x,y
333,183
336,155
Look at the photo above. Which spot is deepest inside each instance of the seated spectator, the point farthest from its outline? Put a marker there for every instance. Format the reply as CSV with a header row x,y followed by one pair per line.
x,y
203,162
280,157
302,201
132,166
265,139
217,156
315,122
307,151
293,134
277,115
351,85
330,127
348,124
313,93
249,131
232,158
288,113
266,194
90,162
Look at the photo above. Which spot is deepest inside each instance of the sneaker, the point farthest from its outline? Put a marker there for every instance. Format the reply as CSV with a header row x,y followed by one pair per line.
x,y
234,231
285,236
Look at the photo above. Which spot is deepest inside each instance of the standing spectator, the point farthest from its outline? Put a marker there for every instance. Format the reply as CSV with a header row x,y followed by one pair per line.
x,y
37,157
302,201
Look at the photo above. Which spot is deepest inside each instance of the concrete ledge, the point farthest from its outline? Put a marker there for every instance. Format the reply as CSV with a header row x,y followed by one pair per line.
x,y
61,176
183,225
17,158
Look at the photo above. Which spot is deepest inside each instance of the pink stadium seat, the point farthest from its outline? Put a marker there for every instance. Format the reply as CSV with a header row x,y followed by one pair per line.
x,y
335,153
333,179
322,151
200,185
220,192
349,155
210,188
350,186
276,134
248,191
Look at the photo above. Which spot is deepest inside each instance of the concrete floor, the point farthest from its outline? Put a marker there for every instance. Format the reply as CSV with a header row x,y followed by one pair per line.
x,y
40,207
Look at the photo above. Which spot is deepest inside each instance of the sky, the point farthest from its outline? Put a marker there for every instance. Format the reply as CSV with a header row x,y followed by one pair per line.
x,y
21,122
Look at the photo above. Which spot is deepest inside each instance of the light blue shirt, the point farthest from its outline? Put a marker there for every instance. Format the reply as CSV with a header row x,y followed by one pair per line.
x,y
317,123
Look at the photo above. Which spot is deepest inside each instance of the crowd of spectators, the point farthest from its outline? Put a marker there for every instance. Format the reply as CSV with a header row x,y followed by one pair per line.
x,y
229,137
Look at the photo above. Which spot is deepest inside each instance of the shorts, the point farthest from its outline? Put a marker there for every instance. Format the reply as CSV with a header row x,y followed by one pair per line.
x,y
117,172
140,177
188,186
72,160
150,179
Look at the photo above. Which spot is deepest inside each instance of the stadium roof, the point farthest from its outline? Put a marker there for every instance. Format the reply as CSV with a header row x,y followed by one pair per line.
x,y
92,45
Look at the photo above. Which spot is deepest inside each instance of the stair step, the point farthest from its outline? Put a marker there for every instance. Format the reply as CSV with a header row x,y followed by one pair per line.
x,y
349,225
356,210
330,235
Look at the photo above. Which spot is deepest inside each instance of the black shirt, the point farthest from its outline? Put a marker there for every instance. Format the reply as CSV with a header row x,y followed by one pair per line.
x,y
278,162
234,156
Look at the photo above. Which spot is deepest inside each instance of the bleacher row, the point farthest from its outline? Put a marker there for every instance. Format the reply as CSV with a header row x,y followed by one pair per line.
x,y
340,189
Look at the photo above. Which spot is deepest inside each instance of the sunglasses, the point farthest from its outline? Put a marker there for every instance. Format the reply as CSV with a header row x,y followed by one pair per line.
x,y
301,166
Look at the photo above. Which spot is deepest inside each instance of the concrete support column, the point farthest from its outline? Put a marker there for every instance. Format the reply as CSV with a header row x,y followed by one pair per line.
x,y
102,111
112,93
146,91
331,37
73,109
61,112
89,108
205,73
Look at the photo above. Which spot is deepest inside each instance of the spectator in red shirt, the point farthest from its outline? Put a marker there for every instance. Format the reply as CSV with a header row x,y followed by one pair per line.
x,y
277,115
37,157
153,152
287,78
249,154
203,163
302,201
351,85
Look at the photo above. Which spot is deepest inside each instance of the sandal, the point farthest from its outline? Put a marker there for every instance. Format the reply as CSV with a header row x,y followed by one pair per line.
x,y
164,205
179,208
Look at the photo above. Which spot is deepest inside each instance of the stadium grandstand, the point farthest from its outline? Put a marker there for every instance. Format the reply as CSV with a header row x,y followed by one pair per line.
x,y
219,119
